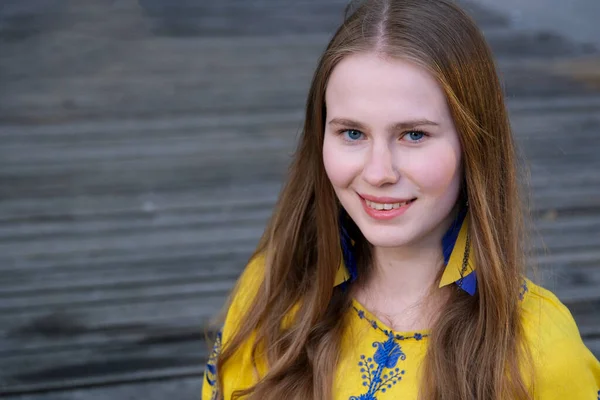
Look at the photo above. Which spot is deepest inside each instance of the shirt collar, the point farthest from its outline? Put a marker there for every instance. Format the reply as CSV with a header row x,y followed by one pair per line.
x,y
454,245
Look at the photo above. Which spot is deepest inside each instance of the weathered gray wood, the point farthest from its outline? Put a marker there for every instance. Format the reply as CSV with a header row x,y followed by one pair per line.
x,y
138,314
145,204
139,76
181,388
107,365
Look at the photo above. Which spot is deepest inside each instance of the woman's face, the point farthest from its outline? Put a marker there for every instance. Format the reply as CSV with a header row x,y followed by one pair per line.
x,y
391,150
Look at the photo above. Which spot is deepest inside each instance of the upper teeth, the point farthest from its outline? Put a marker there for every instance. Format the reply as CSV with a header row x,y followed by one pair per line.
x,y
384,206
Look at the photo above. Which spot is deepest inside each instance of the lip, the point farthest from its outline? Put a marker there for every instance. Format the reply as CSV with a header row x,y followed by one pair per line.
x,y
386,200
384,215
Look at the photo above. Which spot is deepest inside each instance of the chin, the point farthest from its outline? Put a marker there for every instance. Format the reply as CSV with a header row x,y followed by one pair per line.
x,y
385,238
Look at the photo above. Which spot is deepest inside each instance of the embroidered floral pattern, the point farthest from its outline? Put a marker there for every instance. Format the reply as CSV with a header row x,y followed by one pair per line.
x,y
379,373
211,365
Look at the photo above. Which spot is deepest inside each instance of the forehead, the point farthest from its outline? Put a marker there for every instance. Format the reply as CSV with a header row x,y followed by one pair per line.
x,y
368,86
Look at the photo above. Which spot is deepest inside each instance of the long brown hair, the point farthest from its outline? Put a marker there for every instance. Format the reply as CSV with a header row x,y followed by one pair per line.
x,y
301,243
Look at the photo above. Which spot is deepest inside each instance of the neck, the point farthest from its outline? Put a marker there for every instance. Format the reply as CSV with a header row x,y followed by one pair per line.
x,y
401,283
405,275
401,286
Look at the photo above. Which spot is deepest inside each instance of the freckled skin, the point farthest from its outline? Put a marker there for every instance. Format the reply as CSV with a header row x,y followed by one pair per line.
x,y
379,92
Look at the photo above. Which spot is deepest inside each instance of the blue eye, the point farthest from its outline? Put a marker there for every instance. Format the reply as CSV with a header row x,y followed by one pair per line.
x,y
352,134
414,136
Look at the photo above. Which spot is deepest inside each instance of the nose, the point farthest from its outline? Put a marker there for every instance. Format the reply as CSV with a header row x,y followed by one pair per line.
x,y
379,168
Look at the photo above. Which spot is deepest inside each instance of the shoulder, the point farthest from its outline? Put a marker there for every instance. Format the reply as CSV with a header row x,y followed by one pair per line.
x,y
563,366
247,286
545,313
243,295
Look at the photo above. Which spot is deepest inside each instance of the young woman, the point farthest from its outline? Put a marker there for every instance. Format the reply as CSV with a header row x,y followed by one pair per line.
x,y
393,267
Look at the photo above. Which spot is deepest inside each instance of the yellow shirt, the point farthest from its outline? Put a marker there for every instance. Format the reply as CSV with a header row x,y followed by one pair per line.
x,y
375,366
376,363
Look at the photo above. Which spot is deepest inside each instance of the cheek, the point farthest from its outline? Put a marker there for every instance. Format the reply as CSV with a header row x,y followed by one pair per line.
x,y
438,173
341,166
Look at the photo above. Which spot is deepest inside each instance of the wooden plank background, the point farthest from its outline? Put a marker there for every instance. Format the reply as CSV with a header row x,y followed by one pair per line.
x,y
142,147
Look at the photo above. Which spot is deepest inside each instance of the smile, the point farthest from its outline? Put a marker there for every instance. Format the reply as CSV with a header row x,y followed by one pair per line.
x,y
385,208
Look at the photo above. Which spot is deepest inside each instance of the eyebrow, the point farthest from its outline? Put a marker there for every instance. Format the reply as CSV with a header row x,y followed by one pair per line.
x,y
395,127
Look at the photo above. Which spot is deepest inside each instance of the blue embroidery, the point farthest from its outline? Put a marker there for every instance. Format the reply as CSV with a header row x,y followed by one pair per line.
x,y
211,365
361,315
598,394
524,289
379,373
